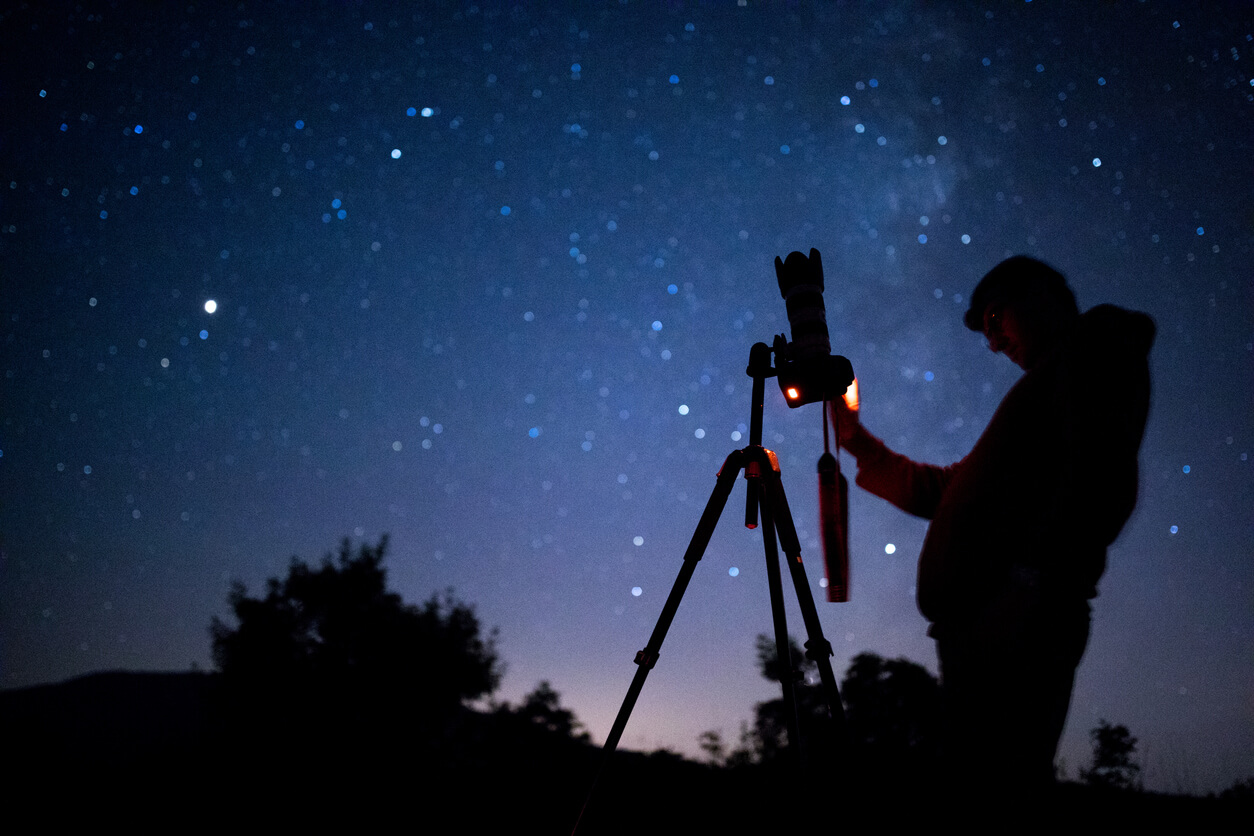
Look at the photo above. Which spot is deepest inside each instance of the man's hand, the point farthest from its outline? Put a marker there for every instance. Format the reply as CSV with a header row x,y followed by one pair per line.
x,y
844,414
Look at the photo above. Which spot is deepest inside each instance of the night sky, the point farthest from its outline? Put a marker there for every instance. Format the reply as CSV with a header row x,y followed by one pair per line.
x,y
486,280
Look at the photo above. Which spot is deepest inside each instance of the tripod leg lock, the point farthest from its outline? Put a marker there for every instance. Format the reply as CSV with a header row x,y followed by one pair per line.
x,y
817,649
646,659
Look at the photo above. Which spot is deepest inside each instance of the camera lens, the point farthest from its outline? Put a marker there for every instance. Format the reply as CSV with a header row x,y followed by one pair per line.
x,y
801,285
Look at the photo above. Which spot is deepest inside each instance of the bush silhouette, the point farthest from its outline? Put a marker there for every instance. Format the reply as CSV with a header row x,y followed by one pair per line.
x,y
329,660
1112,767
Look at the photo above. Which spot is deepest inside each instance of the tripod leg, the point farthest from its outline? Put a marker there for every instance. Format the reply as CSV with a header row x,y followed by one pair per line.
x,y
782,651
818,648
646,658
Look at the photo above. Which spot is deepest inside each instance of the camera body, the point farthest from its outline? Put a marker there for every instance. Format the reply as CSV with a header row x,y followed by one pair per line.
x,y
807,370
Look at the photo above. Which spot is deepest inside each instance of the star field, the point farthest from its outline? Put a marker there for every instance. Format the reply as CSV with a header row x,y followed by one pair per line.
x,y
485,277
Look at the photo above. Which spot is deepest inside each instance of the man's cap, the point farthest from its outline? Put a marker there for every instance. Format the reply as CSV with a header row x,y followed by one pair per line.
x,y
1017,277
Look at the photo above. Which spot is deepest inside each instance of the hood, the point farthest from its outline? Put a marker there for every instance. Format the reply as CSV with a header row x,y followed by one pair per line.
x,y
1117,330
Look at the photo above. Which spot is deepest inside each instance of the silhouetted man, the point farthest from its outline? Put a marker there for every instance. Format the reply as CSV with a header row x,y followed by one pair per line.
x,y
1021,525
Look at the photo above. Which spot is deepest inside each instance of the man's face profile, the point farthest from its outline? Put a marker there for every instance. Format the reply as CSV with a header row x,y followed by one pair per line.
x,y
1008,331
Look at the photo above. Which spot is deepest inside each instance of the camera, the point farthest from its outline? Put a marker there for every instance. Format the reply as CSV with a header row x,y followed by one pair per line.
x,y
806,368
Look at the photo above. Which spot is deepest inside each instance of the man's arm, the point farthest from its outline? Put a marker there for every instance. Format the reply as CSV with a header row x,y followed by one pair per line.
x,y
913,487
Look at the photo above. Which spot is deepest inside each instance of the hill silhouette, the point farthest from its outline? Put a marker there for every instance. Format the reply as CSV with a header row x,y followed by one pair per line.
x,y
337,703
147,747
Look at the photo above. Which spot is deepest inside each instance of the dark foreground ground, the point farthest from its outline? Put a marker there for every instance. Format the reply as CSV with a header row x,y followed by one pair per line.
x,y
145,750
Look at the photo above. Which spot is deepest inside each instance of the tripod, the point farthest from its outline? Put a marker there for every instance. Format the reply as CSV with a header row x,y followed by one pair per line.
x,y
765,492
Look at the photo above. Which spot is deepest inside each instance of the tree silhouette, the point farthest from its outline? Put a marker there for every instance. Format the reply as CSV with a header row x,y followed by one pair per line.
x,y
329,658
542,709
1113,767
770,725
718,754
1242,790
892,708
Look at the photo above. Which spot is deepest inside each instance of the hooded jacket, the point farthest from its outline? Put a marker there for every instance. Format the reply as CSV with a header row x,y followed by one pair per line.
x,y
1047,487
